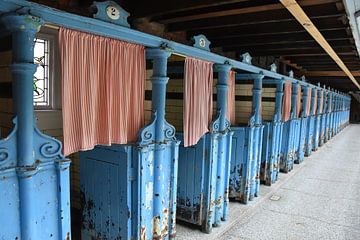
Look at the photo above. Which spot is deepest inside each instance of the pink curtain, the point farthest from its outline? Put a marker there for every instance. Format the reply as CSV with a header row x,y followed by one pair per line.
x,y
315,102
103,82
198,103
286,101
298,102
230,100
308,103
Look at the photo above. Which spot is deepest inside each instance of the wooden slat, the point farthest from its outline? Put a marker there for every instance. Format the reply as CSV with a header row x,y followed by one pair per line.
x,y
281,45
155,8
270,29
277,16
295,9
330,74
239,11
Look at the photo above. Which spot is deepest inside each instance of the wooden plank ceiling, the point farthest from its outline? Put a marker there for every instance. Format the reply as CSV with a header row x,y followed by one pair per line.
x,y
264,28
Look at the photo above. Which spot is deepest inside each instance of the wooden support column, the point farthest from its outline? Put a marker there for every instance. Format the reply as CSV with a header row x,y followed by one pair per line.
x,y
278,100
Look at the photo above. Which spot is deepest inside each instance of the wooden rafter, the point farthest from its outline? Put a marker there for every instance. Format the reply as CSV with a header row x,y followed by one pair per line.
x,y
161,7
279,16
330,74
295,9
239,11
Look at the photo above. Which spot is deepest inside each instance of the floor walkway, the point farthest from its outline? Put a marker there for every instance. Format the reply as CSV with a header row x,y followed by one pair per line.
x,y
319,199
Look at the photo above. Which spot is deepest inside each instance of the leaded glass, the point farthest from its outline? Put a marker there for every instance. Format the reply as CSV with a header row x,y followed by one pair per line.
x,y
41,76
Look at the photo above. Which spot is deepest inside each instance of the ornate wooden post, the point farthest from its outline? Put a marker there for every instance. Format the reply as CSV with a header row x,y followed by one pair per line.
x,y
323,117
294,93
256,120
278,130
272,137
159,145
290,153
311,124
220,127
328,115
303,124
38,200
335,113
256,107
278,100
318,119
338,109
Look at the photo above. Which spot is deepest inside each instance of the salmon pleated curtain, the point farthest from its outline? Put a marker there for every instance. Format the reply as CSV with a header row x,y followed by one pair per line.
x,y
198,102
230,100
315,102
308,102
298,102
103,84
286,101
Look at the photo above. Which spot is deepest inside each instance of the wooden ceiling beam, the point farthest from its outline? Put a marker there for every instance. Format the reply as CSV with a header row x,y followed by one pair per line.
x,y
287,50
277,37
328,62
270,28
330,68
292,54
337,42
276,16
293,65
161,7
300,59
239,11
305,21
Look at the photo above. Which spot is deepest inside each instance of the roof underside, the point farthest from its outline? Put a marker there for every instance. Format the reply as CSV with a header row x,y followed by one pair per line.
x,y
264,28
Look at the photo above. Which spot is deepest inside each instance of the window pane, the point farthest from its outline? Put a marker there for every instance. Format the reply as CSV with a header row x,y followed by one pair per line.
x,y
41,76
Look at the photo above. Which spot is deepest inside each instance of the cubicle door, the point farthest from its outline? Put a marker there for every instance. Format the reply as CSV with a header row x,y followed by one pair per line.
x,y
191,180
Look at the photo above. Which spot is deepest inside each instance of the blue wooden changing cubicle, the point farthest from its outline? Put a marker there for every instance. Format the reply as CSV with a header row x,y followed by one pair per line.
x,y
329,117
246,148
290,136
272,137
129,191
324,116
204,168
303,122
336,113
310,132
317,125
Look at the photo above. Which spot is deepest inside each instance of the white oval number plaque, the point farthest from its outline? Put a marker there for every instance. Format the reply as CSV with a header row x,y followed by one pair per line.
x,y
112,12
202,42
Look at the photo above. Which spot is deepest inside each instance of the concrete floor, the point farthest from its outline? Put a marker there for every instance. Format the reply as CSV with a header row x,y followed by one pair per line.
x,y
319,199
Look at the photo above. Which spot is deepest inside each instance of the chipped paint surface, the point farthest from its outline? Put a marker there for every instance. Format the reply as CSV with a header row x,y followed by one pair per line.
x,y
205,167
149,191
245,163
135,206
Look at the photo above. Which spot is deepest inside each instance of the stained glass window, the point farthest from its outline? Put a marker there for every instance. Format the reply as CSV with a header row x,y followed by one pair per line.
x,y
41,76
